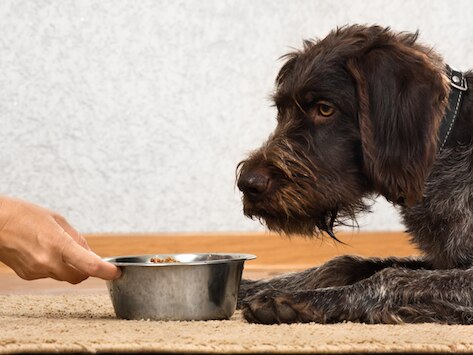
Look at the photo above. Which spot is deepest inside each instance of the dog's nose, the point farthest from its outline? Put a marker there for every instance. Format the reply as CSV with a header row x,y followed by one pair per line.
x,y
254,184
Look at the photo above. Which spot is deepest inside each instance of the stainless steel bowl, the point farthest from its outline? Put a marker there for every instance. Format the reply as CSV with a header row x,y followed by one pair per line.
x,y
196,287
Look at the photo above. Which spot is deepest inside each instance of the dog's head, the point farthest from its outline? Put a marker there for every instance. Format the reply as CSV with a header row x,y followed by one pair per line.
x,y
358,113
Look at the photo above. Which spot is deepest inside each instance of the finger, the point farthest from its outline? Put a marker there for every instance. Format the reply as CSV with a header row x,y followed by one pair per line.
x,y
71,231
32,269
88,263
67,273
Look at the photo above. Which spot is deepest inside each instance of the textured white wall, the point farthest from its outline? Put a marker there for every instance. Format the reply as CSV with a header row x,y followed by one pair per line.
x,y
130,116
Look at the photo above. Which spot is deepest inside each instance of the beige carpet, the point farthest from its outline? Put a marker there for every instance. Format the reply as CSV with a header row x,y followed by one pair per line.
x,y
84,323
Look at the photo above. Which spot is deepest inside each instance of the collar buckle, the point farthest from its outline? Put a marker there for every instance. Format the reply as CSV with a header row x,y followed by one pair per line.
x,y
457,80
462,84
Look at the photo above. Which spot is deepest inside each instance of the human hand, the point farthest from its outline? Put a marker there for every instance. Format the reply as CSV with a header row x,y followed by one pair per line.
x,y
37,243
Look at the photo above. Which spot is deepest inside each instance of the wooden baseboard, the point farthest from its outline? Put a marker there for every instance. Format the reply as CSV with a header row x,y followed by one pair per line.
x,y
273,252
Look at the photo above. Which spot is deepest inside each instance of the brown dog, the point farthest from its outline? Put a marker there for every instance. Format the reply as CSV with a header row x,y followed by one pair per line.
x,y
364,112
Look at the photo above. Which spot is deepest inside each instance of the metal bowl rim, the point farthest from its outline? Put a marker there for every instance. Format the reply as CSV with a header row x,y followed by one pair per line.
x,y
232,257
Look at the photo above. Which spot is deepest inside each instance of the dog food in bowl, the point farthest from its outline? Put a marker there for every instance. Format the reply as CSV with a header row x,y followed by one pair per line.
x,y
168,259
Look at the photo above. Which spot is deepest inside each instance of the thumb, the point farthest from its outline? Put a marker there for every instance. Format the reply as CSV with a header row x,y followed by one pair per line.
x,y
88,262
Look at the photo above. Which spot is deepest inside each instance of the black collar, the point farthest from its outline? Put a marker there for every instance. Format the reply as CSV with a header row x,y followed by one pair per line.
x,y
458,85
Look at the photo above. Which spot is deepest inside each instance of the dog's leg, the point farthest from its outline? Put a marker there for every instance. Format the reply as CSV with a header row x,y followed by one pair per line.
x,y
393,295
340,271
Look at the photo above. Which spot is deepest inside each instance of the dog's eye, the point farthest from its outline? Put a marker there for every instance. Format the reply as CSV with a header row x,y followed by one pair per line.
x,y
325,110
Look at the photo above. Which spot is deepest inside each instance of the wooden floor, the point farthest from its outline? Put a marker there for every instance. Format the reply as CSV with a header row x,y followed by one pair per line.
x,y
275,254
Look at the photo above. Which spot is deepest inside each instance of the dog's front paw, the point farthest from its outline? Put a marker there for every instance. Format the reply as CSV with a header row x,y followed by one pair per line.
x,y
247,289
274,306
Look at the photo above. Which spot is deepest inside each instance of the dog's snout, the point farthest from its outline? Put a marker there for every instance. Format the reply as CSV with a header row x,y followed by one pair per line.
x,y
255,183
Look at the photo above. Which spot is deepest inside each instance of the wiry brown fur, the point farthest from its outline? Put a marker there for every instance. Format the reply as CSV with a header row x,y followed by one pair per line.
x,y
389,94
295,177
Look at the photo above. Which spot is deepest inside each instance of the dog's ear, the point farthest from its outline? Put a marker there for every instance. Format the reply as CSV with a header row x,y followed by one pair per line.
x,y
402,95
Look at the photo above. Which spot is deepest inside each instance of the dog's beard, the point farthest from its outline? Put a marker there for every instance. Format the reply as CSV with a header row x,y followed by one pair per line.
x,y
303,200
298,207
311,223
